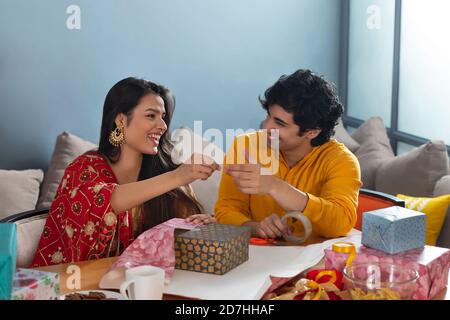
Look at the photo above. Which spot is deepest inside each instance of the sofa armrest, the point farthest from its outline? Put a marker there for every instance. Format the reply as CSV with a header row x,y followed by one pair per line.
x,y
24,215
369,200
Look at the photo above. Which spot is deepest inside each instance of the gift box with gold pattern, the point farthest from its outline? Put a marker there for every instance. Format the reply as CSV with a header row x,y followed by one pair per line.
x,y
212,248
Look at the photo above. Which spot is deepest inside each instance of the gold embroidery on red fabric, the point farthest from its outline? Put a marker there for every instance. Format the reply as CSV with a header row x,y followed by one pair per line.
x,y
60,210
74,192
76,207
92,157
46,232
106,173
57,257
69,231
64,182
97,188
110,219
99,200
84,176
89,228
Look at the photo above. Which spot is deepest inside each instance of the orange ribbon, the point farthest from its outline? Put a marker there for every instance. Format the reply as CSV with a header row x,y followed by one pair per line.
x,y
314,285
330,273
345,247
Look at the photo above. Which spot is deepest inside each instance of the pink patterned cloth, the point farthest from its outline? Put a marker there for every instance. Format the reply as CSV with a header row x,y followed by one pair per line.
x,y
432,263
154,247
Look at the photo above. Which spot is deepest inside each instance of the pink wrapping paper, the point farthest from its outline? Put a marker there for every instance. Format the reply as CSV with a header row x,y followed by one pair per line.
x,y
432,263
154,247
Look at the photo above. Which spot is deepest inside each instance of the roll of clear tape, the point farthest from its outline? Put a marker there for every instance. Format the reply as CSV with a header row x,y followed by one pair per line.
x,y
306,225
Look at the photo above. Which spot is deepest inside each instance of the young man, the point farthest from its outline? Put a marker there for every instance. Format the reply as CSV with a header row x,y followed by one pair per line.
x,y
316,174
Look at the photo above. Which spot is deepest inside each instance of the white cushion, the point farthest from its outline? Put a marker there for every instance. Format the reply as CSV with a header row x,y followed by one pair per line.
x,y
29,232
19,190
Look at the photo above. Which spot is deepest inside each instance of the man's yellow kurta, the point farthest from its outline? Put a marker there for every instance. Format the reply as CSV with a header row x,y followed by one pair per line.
x,y
329,174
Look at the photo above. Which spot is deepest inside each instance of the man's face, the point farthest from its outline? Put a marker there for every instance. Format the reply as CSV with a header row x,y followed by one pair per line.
x,y
278,118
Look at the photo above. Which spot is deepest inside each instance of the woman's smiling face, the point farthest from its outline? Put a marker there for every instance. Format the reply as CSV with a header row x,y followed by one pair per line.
x,y
145,126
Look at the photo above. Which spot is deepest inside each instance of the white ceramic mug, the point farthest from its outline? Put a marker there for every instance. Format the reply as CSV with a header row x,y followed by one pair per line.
x,y
143,283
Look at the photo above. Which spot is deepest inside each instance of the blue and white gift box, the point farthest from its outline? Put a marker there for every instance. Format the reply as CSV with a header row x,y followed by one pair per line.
x,y
393,230
8,248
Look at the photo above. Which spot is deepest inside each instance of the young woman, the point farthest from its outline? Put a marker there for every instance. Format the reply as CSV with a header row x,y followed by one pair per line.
x,y
107,197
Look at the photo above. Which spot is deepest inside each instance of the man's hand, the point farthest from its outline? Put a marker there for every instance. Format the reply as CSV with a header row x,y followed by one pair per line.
x,y
270,227
248,178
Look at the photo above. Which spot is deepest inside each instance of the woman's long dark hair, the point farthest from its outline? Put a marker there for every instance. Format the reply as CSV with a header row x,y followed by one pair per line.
x,y
123,97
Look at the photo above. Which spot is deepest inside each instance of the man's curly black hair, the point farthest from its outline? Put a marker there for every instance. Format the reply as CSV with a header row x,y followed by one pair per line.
x,y
311,99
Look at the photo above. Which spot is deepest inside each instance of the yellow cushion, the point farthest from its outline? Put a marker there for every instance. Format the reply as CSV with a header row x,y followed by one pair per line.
x,y
434,208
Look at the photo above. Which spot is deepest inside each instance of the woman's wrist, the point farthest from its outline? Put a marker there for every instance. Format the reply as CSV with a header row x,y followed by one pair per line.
x,y
176,178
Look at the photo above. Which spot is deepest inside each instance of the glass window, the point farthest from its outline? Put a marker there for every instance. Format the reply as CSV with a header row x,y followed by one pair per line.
x,y
404,148
424,96
370,60
351,130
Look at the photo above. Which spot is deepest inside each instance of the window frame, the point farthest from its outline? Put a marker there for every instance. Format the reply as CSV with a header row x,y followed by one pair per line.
x,y
395,135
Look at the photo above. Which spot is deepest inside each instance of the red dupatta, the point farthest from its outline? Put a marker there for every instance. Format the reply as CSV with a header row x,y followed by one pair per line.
x,y
81,224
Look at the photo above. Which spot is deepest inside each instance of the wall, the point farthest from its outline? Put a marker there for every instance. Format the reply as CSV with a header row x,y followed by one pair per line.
x,y
217,56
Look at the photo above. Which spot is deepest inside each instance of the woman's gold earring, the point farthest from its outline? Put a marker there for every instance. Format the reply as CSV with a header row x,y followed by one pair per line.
x,y
117,136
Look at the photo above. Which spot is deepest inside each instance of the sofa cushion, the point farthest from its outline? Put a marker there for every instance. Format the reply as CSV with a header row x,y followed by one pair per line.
x,y
442,188
434,208
29,232
206,191
414,173
344,137
19,190
68,147
374,149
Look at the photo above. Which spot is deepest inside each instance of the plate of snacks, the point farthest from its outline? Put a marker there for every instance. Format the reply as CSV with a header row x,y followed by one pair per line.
x,y
91,295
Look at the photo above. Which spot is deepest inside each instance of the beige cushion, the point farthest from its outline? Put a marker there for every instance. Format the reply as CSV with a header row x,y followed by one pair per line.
x,y
67,148
443,187
414,173
374,149
28,234
206,191
19,190
344,137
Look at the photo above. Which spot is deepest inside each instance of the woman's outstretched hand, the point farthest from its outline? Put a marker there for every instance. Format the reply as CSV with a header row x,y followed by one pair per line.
x,y
201,218
197,167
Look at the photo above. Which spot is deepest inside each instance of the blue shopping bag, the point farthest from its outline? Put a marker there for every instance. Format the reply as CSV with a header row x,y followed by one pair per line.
x,y
8,249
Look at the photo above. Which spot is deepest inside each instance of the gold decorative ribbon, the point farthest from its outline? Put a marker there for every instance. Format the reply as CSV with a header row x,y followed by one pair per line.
x,y
345,247
330,273
314,285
